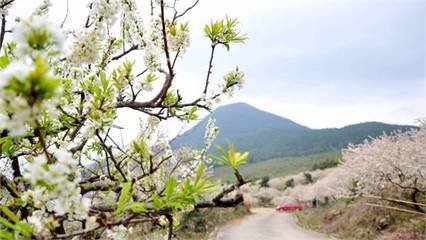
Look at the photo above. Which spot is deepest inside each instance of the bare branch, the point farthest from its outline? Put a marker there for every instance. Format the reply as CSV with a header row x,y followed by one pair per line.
x,y
2,30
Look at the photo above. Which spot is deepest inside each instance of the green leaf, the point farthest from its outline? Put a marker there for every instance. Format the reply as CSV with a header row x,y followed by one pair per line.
x,y
157,202
230,158
6,144
20,227
4,61
104,81
200,172
24,228
125,197
6,235
136,207
9,214
6,223
170,187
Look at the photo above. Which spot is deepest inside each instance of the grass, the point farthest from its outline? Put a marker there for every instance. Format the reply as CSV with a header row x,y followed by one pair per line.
x,y
358,221
276,167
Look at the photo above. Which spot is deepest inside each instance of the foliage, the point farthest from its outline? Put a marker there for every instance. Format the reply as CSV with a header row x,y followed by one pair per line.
x,y
358,221
265,201
62,172
308,178
231,158
224,32
198,224
289,183
328,163
264,181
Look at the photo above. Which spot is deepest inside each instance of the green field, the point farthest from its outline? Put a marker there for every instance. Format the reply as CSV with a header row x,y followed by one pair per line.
x,y
276,167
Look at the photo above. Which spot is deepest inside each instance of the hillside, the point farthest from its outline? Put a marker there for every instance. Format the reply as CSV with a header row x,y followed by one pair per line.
x,y
268,136
276,167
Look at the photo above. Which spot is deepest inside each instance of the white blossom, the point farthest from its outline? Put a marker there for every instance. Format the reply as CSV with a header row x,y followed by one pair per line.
x,y
85,48
119,232
211,133
180,40
152,58
63,194
37,36
105,10
234,78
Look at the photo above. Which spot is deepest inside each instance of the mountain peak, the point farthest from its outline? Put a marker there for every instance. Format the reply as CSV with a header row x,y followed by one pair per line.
x,y
237,120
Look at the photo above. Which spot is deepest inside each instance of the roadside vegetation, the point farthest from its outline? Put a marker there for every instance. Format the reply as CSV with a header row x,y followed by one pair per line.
x,y
200,223
356,220
378,191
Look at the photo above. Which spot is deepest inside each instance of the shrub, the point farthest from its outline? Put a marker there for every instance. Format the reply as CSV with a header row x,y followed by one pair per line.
x,y
264,181
265,201
308,178
328,163
289,183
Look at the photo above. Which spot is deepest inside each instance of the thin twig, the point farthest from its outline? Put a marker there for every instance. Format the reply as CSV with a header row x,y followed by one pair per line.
x,y
66,15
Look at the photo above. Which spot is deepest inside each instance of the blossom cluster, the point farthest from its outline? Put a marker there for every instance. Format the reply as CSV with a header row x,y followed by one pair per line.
x,y
233,79
29,92
211,133
179,37
118,232
55,190
37,36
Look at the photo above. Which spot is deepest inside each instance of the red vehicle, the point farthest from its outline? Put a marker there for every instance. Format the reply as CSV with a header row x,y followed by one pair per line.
x,y
289,207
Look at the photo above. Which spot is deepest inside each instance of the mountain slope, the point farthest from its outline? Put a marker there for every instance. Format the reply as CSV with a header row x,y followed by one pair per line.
x,y
268,136
236,121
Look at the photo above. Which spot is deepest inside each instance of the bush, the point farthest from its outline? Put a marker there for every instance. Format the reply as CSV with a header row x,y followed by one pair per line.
x,y
264,181
308,178
289,183
328,163
265,201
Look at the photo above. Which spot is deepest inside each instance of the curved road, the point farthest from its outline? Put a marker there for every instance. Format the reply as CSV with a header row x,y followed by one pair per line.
x,y
265,224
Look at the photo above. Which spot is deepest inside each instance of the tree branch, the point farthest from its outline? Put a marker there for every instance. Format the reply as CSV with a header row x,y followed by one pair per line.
x,y
2,30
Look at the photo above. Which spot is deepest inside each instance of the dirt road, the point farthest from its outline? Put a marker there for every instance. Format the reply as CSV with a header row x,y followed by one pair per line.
x,y
266,224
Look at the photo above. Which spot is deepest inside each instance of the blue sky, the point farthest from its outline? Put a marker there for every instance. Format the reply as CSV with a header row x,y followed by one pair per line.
x,y
321,63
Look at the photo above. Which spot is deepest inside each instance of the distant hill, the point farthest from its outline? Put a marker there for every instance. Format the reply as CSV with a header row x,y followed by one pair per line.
x,y
268,136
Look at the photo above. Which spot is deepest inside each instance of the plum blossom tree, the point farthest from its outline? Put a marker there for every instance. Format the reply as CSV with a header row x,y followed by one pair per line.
x,y
63,175
390,163
390,166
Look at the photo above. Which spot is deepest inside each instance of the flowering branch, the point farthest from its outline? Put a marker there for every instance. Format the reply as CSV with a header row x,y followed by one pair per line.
x,y
62,165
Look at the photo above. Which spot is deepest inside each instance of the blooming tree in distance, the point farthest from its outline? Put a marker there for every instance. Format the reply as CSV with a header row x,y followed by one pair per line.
x,y
390,163
392,166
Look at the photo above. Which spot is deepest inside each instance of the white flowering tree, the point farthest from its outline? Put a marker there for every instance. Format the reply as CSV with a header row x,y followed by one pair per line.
x,y
390,164
63,175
